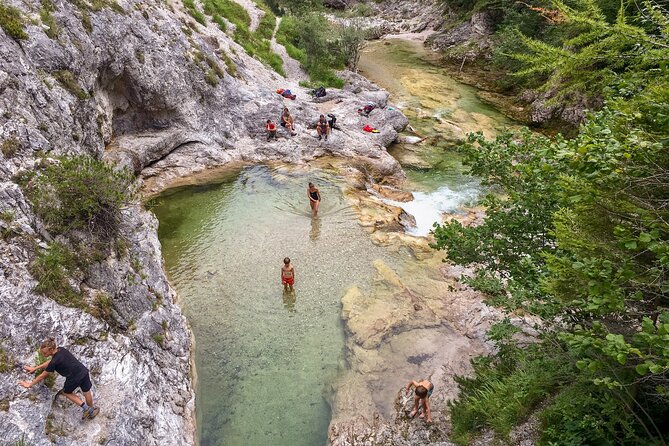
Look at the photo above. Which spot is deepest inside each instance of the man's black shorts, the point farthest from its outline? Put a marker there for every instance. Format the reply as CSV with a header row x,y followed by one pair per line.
x,y
71,384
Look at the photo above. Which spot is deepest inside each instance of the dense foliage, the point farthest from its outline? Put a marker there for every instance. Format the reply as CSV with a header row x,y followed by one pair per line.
x,y
79,200
12,22
81,193
321,46
578,50
578,233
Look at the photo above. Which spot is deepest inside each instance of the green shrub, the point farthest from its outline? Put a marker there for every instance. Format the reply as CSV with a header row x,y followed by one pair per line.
x,y
504,391
67,80
357,10
229,64
234,12
7,216
219,21
10,147
102,307
220,72
11,21
82,193
485,282
267,23
296,53
255,44
52,269
587,415
48,19
262,49
195,12
159,338
86,21
6,361
308,39
115,6
211,78
9,230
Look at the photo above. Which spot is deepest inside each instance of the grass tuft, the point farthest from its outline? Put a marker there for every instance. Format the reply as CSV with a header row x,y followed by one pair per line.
x,y
12,22
67,80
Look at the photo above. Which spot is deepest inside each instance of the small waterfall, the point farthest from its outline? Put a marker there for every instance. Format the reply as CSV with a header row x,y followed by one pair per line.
x,y
429,207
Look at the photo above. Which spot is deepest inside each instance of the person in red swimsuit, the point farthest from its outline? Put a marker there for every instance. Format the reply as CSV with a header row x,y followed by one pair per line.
x,y
271,130
287,275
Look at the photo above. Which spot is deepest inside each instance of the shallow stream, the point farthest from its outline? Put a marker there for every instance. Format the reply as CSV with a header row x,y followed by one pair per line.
x,y
441,111
265,359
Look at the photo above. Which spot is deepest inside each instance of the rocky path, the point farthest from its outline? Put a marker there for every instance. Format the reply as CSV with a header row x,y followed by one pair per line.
x,y
294,71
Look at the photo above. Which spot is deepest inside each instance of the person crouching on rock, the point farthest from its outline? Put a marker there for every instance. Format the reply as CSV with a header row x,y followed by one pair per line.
x,y
423,392
75,373
287,121
271,129
322,127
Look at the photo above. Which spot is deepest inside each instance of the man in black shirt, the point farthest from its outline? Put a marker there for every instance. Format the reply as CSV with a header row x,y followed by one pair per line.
x,y
75,373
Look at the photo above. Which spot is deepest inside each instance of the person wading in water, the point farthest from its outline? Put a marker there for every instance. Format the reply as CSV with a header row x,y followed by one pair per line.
x,y
314,198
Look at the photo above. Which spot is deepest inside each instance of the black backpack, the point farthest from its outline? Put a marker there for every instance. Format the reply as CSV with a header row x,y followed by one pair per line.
x,y
320,92
332,120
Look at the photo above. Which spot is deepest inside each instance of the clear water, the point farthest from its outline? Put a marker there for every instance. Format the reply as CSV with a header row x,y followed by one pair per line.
x,y
264,358
441,110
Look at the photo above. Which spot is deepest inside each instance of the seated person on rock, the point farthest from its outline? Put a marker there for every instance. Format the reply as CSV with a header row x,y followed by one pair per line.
x,y
322,127
423,392
271,129
75,373
287,121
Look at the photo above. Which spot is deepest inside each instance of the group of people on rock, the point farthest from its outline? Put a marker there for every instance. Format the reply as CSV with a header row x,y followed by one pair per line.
x,y
323,125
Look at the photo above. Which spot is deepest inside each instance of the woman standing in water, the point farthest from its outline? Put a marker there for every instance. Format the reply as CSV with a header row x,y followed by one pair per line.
x,y
314,198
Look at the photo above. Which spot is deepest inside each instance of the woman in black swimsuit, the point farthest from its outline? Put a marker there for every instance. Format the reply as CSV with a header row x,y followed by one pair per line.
x,y
314,198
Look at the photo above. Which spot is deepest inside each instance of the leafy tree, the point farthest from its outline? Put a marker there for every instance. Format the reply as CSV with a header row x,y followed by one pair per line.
x,y
352,39
578,233
600,57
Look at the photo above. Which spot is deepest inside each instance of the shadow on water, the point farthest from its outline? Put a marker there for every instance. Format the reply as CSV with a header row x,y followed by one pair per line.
x,y
289,300
315,228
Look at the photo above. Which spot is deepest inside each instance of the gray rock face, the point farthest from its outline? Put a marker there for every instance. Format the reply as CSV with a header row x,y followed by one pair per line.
x,y
470,40
142,387
128,84
400,17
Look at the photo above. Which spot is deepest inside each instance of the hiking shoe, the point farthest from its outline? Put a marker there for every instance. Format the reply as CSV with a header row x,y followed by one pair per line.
x,y
91,413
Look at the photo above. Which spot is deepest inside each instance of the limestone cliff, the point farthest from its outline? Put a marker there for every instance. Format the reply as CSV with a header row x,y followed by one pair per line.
x,y
131,82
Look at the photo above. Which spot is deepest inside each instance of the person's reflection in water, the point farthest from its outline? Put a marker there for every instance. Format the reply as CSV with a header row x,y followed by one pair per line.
x,y
289,300
315,228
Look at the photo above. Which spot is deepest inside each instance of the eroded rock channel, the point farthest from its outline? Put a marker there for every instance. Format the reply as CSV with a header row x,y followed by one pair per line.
x,y
373,308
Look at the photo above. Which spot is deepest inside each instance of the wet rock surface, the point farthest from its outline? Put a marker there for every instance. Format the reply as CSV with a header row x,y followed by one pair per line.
x,y
418,323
